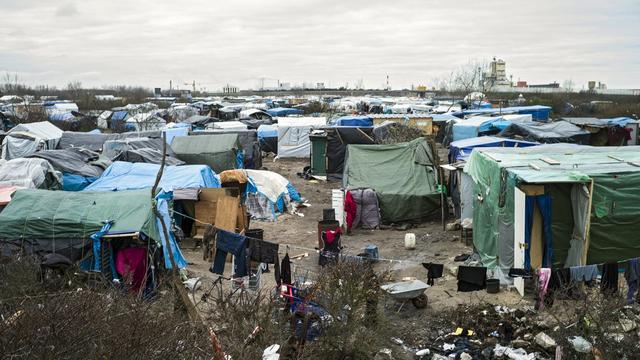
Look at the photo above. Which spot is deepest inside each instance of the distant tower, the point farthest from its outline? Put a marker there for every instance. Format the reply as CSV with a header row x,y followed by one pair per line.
x,y
388,87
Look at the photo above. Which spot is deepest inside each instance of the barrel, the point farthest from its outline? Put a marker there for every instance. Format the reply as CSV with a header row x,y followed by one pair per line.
x,y
329,214
325,225
493,286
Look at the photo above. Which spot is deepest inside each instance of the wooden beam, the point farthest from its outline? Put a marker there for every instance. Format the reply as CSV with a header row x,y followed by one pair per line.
x,y
550,161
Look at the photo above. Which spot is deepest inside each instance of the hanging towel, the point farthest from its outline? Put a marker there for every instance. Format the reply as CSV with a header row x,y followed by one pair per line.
x,y
584,273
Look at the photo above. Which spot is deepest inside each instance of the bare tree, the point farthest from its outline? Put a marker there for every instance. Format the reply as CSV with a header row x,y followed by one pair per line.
x,y
471,77
568,85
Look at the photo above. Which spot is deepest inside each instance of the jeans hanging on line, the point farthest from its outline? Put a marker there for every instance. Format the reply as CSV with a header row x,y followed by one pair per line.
x,y
235,244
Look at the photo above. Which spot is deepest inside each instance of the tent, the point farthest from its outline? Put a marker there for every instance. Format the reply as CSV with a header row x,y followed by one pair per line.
x,y
227,125
221,152
403,176
553,132
483,125
248,140
64,221
25,139
293,135
29,173
113,148
608,132
569,204
537,112
284,112
79,167
95,141
268,193
360,121
126,176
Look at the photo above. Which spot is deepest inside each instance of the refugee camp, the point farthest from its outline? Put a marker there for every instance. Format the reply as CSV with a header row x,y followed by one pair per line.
x,y
281,180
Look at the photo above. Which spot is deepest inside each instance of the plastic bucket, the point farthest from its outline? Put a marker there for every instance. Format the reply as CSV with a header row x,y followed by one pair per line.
x,y
493,286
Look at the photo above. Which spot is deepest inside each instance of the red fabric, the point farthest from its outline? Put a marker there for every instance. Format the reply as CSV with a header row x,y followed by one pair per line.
x,y
131,264
330,235
351,208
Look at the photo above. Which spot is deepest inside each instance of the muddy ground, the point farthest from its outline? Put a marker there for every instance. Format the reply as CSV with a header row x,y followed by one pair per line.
x,y
432,245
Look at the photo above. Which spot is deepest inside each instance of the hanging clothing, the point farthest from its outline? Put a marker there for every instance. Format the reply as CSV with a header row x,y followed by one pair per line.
x,y
472,278
434,271
559,285
331,239
584,273
264,252
131,264
350,208
285,271
609,284
544,275
517,272
632,275
236,244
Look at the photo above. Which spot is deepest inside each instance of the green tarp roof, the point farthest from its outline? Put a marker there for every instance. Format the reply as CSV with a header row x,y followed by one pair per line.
x,y
402,175
44,214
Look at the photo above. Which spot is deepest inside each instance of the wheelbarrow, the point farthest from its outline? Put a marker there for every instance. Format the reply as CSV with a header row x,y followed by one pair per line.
x,y
404,291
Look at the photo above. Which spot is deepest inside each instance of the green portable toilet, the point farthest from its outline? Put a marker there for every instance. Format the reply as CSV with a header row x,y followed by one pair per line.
x,y
318,154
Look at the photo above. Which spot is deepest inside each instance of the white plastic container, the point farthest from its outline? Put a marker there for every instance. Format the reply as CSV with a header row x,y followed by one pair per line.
x,y
409,241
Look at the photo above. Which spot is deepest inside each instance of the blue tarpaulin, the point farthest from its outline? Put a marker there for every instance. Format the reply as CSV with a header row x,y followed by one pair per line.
x,y
266,131
284,111
362,121
127,176
538,112
461,150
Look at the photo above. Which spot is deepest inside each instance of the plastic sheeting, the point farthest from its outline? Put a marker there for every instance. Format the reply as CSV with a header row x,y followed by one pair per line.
x,y
113,148
248,140
219,151
284,112
147,155
25,139
272,193
126,176
76,161
555,132
338,138
293,136
402,175
361,121
95,142
172,132
461,150
30,174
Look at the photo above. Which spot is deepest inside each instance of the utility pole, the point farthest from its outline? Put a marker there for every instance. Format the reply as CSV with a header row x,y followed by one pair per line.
x,y
170,87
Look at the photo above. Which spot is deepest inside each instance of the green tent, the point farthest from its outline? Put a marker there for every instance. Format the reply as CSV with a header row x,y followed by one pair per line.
x,y
403,176
560,170
58,220
221,151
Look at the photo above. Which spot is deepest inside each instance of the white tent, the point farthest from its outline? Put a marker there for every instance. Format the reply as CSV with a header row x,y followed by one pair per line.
x,y
25,139
293,135
29,173
227,126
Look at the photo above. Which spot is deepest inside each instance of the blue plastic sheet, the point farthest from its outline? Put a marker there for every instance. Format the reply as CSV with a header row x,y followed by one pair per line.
x,y
284,111
170,244
73,182
127,176
461,150
363,121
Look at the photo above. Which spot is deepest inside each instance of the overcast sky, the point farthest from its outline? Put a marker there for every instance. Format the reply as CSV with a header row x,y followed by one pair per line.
x,y
149,42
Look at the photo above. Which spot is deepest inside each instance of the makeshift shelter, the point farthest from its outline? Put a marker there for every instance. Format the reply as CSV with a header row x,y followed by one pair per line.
x,y
79,167
268,193
402,175
200,121
221,152
268,138
29,173
248,140
278,112
256,114
328,156
227,126
608,132
557,205
537,112
460,184
26,139
64,223
146,155
126,176
113,148
547,133
95,141
293,135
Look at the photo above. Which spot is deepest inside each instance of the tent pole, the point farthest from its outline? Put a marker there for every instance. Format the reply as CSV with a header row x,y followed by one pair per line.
x,y
587,230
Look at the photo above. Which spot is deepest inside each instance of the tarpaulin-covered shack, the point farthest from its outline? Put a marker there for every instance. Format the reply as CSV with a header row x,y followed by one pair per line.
x,y
293,135
63,221
95,141
26,139
547,133
570,204
608,132
79,166
403,176
248,140
337,140
221,152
